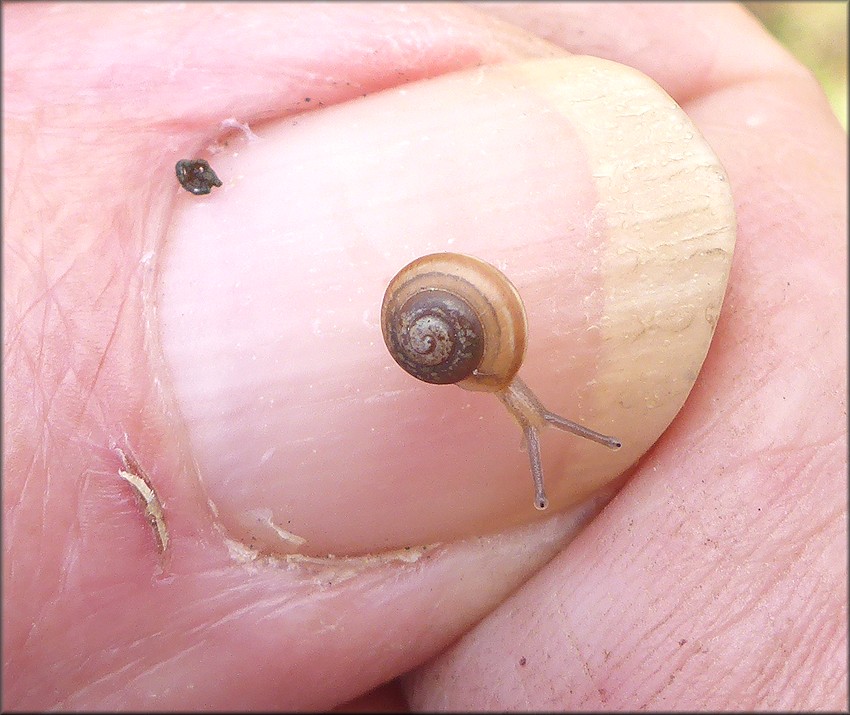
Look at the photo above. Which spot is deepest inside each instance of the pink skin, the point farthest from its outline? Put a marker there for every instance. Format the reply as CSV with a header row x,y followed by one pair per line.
x,y
715,579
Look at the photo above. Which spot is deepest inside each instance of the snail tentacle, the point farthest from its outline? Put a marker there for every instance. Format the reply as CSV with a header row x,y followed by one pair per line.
x,y
562,423
532,444
532,416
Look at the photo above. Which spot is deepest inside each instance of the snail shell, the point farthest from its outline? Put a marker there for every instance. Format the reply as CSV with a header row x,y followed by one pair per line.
x,y
450,318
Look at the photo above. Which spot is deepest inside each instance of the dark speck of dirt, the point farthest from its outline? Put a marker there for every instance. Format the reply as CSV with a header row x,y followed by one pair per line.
x,y
196,176
522,661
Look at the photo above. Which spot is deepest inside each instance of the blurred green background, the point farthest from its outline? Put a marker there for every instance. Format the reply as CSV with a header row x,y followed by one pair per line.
x,y
816,34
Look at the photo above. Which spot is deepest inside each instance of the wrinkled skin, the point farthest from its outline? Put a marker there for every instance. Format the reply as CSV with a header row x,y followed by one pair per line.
x,y
716,577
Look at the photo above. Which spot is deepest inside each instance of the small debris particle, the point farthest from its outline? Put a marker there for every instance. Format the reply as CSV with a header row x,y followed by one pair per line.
x,y
196,176
234,123
306,99
134,475
522,660
683,641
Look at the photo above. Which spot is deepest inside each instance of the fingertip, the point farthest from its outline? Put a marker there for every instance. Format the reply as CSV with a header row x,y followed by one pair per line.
x,y
306,433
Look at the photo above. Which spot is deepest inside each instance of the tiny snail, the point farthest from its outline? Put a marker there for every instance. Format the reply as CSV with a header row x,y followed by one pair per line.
x,y
449,318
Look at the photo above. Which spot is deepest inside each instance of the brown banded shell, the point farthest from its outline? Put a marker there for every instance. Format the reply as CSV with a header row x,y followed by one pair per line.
x,y
449,318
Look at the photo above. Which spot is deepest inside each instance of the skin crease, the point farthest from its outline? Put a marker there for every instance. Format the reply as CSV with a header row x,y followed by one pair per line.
x,y
715,579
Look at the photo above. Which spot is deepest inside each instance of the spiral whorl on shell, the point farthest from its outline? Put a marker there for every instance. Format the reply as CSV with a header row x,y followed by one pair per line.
x,y
449,318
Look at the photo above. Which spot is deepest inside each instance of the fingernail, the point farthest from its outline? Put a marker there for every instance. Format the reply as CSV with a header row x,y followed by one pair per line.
x,y
578,178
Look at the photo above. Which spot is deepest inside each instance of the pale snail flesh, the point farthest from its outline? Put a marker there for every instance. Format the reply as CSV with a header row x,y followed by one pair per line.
x,y
450,318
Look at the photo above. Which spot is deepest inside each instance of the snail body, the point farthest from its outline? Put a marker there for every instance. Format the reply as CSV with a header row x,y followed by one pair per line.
x,y
449,318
